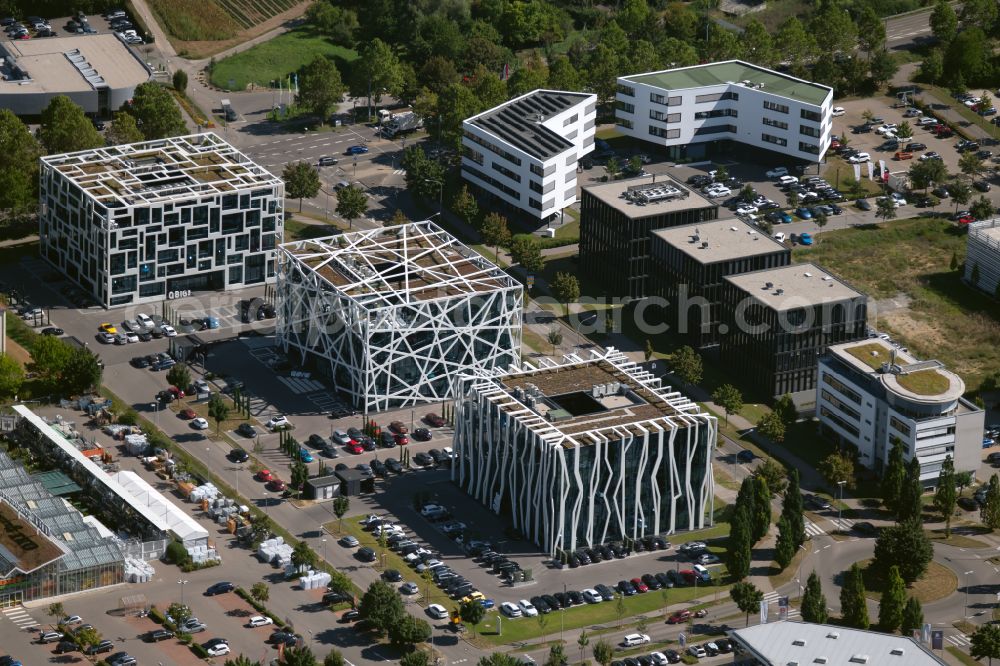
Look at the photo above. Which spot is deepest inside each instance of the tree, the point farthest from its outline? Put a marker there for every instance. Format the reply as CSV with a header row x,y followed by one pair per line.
x,y
944,22
986,642
415,658
729,398
65,128
890,607
990,513
970,165
341,505
299,656
352,203
838,467
910,503
906,546
301,181
820,219
155,111
871,30
56,611
756,44
335,657
885,208
381,605
794,43
465,206
337,24
455,104
772,427
499,659
775,475
604,652
303,555
648,351
785,408
526,251
913,617
19,153
123,130
582,642
853,606
178,613
945,496
894,476
179,376
931,69
687,365
11,376
792,510
437,74
566,288
792,199
982,208
960,193
555,338
377,72
49,358
738,552
218,410
410,631
320,87
86,636
813,607
563,75
260,592
784,545
761,517
495,232
747,598
925,173
883,67
180,81
612,167
471,612
299,475
557,656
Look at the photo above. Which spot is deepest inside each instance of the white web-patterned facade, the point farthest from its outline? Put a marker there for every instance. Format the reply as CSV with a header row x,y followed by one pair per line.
x,y
392,315
585,452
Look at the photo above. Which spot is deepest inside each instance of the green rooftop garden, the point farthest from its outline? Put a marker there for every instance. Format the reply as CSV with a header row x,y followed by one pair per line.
x,y
924,382
871,354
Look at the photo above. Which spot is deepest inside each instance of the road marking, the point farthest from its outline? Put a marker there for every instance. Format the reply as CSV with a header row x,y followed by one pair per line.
x,y
961,640
826,546
399,172
20,617
813,529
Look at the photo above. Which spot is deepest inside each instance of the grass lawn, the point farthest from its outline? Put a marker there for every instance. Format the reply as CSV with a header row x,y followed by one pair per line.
x,y
945,319
296,230
779,578
570,230
939,94
277,58
839,173
962,657
937,583
957,540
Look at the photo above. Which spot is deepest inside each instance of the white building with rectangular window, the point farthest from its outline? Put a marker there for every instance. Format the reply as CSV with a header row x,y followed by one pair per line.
x,y
690,110
982,256
525,151
869,393
149,221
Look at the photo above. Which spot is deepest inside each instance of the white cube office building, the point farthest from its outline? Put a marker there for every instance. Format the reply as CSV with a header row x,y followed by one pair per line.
x,y
392,315
869,393
585,452
525,151
160,219
689,109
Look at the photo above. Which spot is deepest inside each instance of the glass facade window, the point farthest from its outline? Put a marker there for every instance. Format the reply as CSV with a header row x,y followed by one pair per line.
x,y
776,140
774,106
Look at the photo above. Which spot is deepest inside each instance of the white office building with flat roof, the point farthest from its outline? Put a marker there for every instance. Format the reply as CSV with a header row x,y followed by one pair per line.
x,y
869,393
525,151
689,110
155,220
982,256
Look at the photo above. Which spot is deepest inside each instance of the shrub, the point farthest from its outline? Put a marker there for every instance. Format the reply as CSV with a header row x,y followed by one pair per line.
x,y
177,554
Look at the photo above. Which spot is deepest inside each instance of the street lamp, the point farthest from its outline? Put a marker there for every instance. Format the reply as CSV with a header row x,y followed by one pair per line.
x,y
562,617
324,549
840,504
182,583
967,574
267,504
156,413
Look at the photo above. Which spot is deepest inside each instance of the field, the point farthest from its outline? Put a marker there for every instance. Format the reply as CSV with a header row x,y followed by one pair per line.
x,y
277,58
932,311
215,20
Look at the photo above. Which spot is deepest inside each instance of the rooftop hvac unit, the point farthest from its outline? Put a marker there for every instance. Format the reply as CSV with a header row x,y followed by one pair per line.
x,y
807,274
768,285
704,244
779,292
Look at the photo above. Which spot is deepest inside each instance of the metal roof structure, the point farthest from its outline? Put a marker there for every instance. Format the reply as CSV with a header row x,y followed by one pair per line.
x,y
794,286
719,240
172,169
519,122
396,265
804,644
74,63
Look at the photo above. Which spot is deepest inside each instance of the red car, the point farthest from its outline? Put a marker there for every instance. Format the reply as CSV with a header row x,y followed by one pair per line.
x,y
966,219
398,427
276,485
354,447
679,616
176,392
639,585
264,475
402,440
434,420
187,414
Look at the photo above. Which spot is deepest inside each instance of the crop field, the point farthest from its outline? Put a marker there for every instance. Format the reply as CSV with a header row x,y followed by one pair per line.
x,y
198,22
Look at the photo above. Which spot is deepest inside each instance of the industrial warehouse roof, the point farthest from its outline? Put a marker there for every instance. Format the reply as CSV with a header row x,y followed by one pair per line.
x,y
175,168
394,265
802,643
64,65
519,122
719,240
735,71
572,402
794,286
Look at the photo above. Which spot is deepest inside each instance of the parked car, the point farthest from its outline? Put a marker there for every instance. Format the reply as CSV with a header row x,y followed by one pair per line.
x,y
219,588
679,616
259,621
434,420
246,430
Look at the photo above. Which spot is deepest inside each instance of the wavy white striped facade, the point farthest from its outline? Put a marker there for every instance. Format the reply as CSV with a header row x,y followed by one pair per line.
x,y
576,487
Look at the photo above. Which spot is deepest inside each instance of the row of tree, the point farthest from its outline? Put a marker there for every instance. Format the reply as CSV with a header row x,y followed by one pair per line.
x,y
964,53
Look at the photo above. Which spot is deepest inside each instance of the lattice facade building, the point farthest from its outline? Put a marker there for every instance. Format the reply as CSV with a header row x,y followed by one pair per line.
x,y
392,315
584,452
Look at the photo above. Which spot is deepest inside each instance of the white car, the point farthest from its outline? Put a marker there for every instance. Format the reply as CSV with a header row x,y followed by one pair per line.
x,y
121,339
888,127
437,611
777,172
199,424
631,640
218,650
72,620
746,210
259,621
860,158
168,330
527,609
838,111
144,320
697,651
592,596
510,609
341,437
787,180
277,421
780,236
131,337
130,325
659,659
409,588
926,120
431,509
349,541
719,192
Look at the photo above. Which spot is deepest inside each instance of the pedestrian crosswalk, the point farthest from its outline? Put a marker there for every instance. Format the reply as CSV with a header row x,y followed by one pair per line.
x,y
20,617
399,172
959,640
813,529
844,523
773,598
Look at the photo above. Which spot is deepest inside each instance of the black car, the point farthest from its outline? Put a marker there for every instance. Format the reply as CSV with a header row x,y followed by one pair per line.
x,y
551,601
335,597
103,646
368,444
626,588
139,362
863,204
393,466
651,581
541,605
563,599
941,192
912,148
365,554
379,468
981,185
316,441
865,528
52,330
351,615
607,594
160,635
664,580
711,650
673,657
583,557
220,588
438,456
238,455
968,503
387,439
423,459
575,597
340,467
246,430
594,555
422,435
65,646
725,647
392,576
